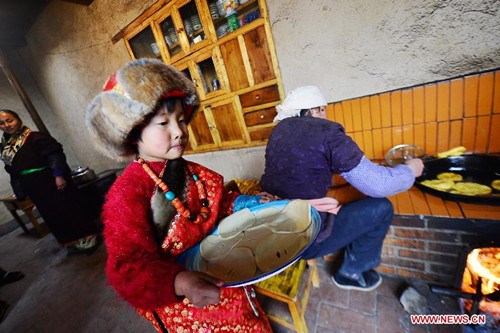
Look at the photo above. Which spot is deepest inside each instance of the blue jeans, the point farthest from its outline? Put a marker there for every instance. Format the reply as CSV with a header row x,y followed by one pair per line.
x,y
360,227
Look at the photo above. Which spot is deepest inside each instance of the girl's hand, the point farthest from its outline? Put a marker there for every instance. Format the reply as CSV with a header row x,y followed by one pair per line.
x,y
266,197
60,183
199,288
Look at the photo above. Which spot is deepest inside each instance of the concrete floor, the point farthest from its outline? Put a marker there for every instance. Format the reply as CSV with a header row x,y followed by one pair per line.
x,y
69,294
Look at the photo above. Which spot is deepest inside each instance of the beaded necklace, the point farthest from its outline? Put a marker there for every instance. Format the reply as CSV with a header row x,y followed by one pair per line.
x,y
169,195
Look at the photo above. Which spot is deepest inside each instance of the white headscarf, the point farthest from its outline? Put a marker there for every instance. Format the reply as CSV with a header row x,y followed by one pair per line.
x,y
305,97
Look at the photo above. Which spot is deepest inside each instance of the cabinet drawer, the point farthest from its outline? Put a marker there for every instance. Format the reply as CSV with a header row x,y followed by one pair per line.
x,y
260,117
261,96
261,134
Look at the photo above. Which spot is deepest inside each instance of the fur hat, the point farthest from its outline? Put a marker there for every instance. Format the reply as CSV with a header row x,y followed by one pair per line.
x,y
129,95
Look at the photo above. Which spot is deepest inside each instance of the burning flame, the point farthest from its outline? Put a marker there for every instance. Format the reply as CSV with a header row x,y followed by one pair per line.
x,y
485,262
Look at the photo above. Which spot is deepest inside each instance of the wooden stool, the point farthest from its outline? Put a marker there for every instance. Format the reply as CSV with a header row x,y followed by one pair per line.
x,y
284,287
13,205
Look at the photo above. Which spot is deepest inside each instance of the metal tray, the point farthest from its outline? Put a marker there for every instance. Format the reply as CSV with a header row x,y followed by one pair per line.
x,y
191,258
477,168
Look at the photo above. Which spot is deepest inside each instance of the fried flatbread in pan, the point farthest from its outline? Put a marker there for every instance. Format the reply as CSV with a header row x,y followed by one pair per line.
x,y
450,176
470,189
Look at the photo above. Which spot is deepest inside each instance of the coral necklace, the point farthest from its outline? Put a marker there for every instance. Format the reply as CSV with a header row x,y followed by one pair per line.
x,y
179,206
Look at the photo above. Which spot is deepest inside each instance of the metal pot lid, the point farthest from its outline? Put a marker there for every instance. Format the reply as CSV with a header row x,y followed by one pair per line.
x,y
400,153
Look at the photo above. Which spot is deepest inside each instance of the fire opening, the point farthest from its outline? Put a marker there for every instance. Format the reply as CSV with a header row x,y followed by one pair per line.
x,y
481,278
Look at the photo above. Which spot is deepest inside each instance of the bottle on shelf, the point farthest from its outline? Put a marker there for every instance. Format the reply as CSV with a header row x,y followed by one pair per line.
x,y
232,19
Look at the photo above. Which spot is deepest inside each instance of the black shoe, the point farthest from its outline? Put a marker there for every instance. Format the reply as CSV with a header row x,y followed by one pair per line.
x,y
3,309
70,251
368,280
10,277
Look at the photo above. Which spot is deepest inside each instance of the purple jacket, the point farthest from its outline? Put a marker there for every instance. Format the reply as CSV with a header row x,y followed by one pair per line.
x,y
302,155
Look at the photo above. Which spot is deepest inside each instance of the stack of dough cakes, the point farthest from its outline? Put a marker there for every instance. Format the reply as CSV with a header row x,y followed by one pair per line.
x,y
250,244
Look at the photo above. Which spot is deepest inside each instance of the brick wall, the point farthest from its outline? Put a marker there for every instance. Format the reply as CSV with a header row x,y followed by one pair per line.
x,y
431,249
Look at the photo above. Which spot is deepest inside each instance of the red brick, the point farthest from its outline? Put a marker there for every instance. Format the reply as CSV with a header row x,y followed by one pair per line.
x,y
388,251
362,301
426,234
419,328
417,275
405,263
445,248
389,314
409,243
385,269
443,269
408,222
345,320
391,287
427,256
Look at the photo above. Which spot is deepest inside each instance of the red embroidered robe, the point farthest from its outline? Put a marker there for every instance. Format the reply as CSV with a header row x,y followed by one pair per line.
x,y
143,272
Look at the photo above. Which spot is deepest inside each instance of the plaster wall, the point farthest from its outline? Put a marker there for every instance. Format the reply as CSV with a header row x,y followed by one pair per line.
x,y
348,48
353,48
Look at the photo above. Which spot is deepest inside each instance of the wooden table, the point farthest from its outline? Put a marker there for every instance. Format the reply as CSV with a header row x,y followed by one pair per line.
x,y
13,205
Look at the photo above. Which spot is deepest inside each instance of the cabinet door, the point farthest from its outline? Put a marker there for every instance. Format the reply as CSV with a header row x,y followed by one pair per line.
x,y
143,44
170,32
228,128
200,132
243,12
259,55
209,75
194,26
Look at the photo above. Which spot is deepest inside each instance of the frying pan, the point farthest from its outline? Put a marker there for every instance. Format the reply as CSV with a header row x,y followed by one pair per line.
x,y
477,168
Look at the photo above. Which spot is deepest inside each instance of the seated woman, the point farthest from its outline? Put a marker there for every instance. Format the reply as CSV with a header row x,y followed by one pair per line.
x,y
304,151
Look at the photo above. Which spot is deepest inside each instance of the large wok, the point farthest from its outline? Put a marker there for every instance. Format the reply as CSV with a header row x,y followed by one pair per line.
x,y
476,168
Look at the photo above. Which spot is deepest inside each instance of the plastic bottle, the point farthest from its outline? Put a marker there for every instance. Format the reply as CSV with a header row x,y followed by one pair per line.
x,y
232,22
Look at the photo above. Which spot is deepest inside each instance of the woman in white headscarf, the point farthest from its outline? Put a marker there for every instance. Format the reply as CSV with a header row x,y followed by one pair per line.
x,y
303,101
304,151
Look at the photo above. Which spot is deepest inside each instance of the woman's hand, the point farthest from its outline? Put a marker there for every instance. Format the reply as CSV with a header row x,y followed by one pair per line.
x,y
266,197
416,165
199,288
60,183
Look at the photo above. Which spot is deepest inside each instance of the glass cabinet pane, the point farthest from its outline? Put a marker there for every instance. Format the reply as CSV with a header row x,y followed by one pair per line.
x,y
170,34
208,75
192,23
187,73
143,45
229,15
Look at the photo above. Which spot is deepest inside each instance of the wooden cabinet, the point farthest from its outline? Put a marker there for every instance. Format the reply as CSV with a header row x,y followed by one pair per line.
x,y
231,60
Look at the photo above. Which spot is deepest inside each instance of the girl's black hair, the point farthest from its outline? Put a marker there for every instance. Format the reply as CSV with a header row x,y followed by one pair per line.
x,y
12,113
130,142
